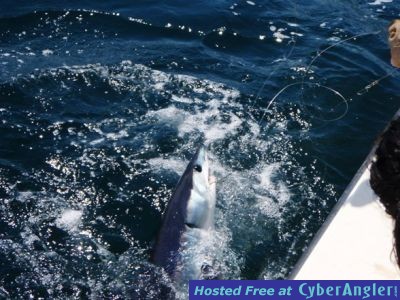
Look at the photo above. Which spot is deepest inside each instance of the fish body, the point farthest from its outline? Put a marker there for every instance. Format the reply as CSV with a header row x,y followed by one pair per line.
x,y
188,222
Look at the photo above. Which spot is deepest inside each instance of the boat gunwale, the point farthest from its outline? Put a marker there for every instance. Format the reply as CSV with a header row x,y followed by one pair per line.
x,y
315,240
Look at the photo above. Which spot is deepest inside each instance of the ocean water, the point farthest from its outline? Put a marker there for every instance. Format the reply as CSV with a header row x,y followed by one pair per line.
x,y
103,103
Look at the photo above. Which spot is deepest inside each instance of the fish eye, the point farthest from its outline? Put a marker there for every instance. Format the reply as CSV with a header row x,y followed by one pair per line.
x,y
198,168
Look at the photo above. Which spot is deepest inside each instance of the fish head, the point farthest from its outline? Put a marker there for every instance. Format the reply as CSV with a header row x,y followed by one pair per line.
x,y
201,203
201,168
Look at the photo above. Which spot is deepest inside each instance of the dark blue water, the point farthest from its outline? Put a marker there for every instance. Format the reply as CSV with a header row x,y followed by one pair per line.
x,y
103,103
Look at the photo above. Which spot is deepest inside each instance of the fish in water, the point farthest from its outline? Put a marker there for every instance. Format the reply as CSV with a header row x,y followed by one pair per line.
x,y
188,223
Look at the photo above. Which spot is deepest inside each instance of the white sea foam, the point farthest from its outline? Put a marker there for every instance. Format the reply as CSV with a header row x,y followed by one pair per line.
x,y
379,2
47,52
117,135
276,189
183,99
28,237
279,36
172,164
334,39
23,196
69,219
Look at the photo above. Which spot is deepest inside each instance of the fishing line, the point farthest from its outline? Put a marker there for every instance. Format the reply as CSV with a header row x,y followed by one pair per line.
x,y
374,83
285,57
337,44
319,54
337,93
302,83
